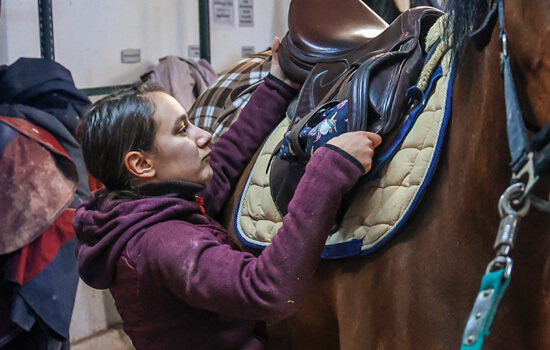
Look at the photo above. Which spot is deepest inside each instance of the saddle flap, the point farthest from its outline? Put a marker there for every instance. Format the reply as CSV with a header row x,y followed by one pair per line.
x,y
377,92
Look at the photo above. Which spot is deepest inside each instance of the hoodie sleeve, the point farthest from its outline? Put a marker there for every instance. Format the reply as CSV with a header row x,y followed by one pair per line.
x,y
210,275
230,155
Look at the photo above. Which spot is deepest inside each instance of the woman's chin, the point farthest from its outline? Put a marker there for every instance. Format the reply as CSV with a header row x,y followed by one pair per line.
x,y
207,176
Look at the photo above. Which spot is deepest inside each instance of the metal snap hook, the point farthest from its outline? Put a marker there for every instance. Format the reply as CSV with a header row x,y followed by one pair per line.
x,y
527,170
513,192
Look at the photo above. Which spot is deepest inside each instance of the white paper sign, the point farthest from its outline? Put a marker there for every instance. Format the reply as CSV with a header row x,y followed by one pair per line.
x,y
222,14
246,13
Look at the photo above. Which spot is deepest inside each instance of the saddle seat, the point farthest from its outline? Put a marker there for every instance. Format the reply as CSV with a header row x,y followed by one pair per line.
x,y
324,31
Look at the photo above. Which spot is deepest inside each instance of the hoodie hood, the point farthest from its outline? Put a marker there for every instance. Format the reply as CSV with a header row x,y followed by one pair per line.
x,y
104,227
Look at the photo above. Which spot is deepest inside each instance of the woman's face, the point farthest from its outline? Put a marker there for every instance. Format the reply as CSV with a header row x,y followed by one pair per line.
x,y
181,150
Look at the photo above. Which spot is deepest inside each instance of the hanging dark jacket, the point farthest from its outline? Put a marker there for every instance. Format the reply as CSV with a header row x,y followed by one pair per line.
x,y
43,179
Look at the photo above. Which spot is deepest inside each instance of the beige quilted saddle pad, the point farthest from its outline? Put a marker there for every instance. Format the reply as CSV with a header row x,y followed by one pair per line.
x,y
399,177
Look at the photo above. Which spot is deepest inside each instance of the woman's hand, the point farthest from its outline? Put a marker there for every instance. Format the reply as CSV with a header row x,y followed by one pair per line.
x,y
276,70
358,144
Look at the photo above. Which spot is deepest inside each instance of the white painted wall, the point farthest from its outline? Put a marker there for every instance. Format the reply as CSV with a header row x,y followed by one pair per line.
x,y
89,35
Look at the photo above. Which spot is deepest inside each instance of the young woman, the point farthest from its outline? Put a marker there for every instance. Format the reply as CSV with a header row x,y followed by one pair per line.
x,y
178,280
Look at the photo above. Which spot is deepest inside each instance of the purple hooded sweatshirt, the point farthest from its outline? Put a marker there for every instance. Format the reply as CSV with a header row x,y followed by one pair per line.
x,y
178,280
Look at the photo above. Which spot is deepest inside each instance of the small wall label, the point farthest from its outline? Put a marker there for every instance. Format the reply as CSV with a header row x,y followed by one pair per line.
x,y
194,51
246,51
130,56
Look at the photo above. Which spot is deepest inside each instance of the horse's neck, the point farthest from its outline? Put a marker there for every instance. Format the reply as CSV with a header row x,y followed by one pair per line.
x,y
477,138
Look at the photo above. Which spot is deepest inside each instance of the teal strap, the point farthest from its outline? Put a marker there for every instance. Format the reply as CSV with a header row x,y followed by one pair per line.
x,y
493,286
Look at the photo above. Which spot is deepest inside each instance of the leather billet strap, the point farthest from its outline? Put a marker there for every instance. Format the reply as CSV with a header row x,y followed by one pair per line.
x,y
386,59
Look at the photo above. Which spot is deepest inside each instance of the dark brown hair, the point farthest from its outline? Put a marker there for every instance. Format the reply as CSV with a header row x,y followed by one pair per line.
x,y
112,127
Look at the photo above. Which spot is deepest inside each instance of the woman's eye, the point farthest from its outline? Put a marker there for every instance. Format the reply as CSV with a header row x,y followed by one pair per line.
x,y
183,130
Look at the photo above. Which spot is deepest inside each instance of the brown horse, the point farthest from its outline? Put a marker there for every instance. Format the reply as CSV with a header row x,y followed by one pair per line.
x,y
417,291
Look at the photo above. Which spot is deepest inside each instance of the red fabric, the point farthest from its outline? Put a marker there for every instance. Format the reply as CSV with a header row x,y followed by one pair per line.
x,y
200,202
36,133
95,184
37,184
33,258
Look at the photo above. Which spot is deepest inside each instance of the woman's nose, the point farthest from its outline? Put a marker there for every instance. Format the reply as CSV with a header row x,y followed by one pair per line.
x,y
203,138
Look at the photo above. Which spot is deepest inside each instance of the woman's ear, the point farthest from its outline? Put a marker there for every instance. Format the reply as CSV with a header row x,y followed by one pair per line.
x,y
139,165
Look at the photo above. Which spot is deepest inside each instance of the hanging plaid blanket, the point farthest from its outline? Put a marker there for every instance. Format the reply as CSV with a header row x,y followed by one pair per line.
x,y
220,105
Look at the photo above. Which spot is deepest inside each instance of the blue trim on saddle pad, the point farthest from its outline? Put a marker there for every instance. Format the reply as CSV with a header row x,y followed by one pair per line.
x,y
353,247
343,249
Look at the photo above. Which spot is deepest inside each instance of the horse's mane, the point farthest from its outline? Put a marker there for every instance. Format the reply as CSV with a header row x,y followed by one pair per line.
x,y
464,16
